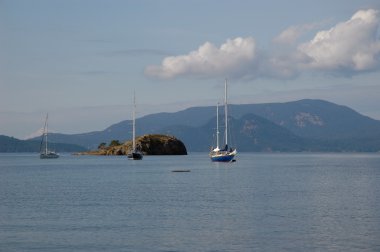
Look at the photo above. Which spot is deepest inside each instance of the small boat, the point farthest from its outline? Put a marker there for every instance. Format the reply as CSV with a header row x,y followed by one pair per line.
x,y
45,153
135,154
227,154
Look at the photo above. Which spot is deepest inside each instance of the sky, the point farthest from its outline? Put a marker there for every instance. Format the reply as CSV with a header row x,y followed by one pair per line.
x,y
81,60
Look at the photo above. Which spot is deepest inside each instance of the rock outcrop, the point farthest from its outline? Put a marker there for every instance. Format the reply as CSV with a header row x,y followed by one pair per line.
x,y
148,145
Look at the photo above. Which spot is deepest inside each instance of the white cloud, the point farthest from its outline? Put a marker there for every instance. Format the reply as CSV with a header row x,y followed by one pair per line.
x,y
283,66
349,47
229,59
352,45
292,33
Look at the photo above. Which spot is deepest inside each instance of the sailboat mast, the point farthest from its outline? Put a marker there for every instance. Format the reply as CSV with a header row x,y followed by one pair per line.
x,y
225,112
134,124
46,134
217,126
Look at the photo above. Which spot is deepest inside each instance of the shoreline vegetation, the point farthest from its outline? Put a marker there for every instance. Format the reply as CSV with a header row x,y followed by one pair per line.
x,y
151,144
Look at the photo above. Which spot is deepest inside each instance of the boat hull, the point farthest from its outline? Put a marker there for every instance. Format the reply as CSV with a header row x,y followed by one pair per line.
x,y
135,156
49,155
223,157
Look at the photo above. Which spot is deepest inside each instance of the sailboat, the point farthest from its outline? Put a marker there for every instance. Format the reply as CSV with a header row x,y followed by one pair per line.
x,y
135,154
44,151
226,154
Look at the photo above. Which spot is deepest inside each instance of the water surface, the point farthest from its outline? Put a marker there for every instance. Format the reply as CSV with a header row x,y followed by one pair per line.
x,y
262,202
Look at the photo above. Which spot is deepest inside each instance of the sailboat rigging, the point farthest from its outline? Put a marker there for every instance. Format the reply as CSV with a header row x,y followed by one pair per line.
x,y
135,154
44,151
226,154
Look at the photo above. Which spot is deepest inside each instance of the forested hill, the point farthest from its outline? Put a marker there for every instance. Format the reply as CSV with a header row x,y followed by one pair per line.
x,y
304,125
10,144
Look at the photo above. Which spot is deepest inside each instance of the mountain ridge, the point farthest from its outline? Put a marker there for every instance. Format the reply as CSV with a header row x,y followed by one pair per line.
x,y
11,144
303,125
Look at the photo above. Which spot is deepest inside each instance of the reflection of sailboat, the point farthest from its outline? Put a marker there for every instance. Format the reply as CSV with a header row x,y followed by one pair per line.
x,y
44,151
135,154
226,154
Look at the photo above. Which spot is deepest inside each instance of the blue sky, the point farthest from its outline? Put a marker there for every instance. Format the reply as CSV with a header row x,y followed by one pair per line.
x,y
80,60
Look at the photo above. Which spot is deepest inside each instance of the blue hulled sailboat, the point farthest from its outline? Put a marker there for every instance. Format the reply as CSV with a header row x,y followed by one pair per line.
x,y
227,154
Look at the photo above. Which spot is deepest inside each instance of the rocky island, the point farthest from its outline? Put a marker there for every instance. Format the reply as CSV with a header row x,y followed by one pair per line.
x,y
152,144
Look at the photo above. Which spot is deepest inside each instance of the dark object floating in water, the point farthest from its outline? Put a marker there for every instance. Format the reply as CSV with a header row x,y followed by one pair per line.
x,y
180,170
233,160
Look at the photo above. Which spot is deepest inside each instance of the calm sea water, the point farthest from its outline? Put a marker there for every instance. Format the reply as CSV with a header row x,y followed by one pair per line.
x,y
262,202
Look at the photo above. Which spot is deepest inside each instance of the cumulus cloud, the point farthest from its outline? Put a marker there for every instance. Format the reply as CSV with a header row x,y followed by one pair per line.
x,y
292,33
229,59
352,46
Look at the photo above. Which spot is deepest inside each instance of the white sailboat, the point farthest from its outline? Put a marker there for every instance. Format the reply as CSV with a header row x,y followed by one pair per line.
x,y
135,154
226,154
45,153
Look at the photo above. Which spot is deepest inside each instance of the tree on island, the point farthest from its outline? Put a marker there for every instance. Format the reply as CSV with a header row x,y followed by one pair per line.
x,y
114,143
102,146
